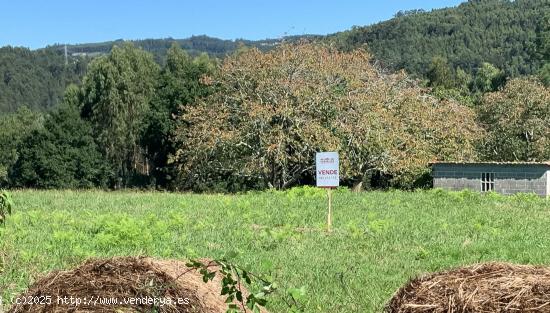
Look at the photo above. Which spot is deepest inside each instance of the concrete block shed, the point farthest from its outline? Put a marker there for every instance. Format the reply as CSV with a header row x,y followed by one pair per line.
x,y
502,177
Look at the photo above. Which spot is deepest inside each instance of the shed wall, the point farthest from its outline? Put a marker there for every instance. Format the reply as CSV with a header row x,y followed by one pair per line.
x,y
509,178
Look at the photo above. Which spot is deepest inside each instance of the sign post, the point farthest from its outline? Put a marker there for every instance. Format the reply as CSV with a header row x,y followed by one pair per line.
x,y
327,176
329,218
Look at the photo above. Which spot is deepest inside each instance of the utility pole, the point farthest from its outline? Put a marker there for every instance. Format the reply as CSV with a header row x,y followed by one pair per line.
x,y
66,57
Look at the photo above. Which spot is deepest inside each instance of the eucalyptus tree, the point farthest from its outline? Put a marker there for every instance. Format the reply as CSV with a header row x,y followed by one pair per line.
x,y
117,91
177,87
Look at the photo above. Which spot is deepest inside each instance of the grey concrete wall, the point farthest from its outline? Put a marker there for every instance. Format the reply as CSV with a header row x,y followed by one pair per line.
x,y
509,178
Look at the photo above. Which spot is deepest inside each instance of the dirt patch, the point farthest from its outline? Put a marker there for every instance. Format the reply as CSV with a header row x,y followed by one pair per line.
x,y
489,287
124,284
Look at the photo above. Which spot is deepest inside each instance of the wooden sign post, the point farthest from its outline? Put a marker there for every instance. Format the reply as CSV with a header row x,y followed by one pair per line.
x,y
327,176
329,218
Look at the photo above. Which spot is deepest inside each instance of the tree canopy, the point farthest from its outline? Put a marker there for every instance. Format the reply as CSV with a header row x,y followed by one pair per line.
x,y
62,154
511,36
116,94
270,112
517,119
178,86
35,79
15,127
449,84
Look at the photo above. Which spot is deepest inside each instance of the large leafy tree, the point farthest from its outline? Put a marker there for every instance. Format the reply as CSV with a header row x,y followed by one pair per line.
x,y
117,91
271,112
14,127
63,154
178,86
517,119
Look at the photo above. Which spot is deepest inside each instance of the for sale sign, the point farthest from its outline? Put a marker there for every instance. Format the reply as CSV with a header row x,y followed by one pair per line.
x,y
327,167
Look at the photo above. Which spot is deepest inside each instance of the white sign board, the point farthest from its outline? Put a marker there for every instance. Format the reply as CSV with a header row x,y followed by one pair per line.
x,y
327,167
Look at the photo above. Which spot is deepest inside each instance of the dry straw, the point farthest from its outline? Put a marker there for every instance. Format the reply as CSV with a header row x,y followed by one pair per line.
x,y
126,278
489,287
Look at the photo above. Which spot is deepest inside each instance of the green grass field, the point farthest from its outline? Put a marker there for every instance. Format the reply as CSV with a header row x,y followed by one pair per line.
x,y
380,239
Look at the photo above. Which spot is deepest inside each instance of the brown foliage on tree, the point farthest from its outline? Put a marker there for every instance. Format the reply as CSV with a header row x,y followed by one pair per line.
x,y
517,119
272,111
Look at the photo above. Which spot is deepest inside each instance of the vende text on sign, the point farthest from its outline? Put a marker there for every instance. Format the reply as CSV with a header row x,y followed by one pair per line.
x,y
327,169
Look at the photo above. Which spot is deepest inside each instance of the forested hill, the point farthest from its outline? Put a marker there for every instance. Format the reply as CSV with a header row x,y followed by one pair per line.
x,y
512,35
36,79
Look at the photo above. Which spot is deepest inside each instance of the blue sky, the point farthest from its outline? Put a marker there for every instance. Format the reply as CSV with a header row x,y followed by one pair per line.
x,y
37,23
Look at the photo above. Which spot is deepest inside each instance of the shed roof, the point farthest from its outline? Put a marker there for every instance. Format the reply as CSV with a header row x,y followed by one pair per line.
x,y
492,162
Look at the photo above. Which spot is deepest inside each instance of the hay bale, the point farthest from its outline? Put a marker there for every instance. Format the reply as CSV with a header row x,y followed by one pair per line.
x,y
489,287
98,282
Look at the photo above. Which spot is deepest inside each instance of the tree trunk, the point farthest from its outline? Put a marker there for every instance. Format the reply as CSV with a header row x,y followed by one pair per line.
x,y
357,186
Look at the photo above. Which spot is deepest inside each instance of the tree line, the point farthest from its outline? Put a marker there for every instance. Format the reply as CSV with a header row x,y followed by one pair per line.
x,y
255,119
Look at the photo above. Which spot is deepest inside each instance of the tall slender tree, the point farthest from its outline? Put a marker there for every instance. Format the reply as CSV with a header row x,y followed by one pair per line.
x,y
117,91
178,86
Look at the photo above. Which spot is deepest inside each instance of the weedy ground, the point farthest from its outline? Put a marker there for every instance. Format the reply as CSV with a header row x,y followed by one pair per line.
x,y
379,241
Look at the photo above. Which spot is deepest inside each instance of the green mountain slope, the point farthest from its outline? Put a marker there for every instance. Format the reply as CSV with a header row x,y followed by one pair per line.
x,y
35,79
508,34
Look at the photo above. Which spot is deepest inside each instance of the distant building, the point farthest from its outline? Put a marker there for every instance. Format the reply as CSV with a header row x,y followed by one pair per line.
x,y
86,54
502,177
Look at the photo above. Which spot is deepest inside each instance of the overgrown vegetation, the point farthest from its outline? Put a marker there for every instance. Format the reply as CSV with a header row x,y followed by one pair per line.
x,y
379,239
